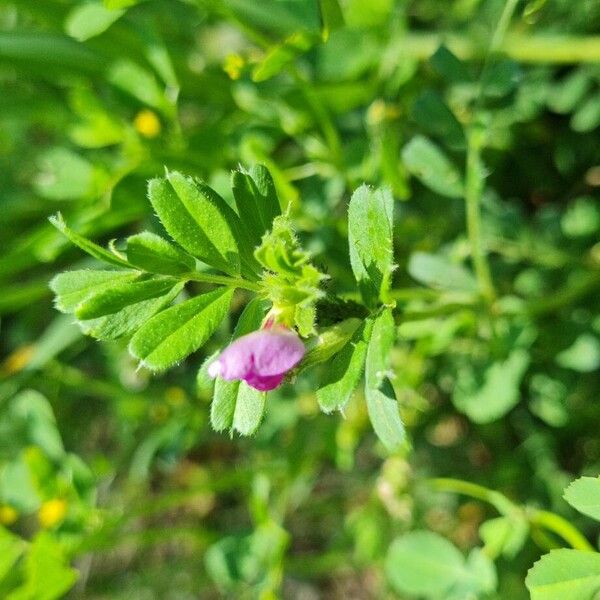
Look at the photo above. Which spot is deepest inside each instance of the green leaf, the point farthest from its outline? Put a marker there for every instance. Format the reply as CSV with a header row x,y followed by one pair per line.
x,y
195,220
256,200
486,394
48,575
180,330
118,296
86,245
370,237
129,319
332,17
566,94
64,175
587,116
36,416
433,116
582,356
583,494
504,535
345,371
582,218
152,253
139,83
424,564
72,287
500,78
280,55
565,575
449,66
236,405
329,342
382,405
11,548
249,409
437,271
88,20
429,164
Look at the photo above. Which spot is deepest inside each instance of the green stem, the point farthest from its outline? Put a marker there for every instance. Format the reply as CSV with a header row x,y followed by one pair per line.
x,y
223,280
473,193
555,523
540,518
502,26
499,501
538,49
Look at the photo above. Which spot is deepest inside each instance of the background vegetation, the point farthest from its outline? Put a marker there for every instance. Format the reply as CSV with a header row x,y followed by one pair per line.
x,y
481,117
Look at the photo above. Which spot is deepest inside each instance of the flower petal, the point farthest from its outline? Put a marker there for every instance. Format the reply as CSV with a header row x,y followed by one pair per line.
x,y
264,384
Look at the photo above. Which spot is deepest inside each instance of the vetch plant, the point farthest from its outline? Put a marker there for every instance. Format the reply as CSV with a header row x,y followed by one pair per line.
x,y
254,249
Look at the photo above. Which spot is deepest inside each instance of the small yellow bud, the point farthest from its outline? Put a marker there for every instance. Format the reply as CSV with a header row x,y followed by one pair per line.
x,y
233,65
8,515
52,513
147,123
18,360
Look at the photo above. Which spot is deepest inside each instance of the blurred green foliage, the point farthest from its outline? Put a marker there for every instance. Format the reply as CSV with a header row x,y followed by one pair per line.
x,y
484,127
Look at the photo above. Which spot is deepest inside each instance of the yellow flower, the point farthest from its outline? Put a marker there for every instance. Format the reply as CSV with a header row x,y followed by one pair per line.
x,y
147,123
52,513
233,65
8,515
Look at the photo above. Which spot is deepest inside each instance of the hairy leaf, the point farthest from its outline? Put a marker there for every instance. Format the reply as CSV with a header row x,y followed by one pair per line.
x,y
180,330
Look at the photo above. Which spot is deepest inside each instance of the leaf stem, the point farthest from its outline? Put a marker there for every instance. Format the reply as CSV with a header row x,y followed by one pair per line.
x,y
560,526
473,193
499,501
540,518
222,280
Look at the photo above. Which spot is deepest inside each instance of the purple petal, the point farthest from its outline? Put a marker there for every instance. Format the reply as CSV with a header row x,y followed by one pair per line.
x,y
264,353
264,384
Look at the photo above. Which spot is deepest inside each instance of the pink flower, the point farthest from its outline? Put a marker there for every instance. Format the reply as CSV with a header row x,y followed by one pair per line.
x,y
261,358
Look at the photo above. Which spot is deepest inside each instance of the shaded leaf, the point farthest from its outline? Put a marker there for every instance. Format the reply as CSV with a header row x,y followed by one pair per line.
x,y
429,164
370,238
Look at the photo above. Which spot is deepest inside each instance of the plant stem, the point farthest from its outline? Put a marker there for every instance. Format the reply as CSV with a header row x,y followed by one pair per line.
x,y
540,518
537,49
555,523
223,280
473,193
499,501
502,26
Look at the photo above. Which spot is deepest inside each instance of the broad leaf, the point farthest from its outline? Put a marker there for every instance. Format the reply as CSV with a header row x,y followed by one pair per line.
x,y
128,320
486,394
424,564
437,271
382,405
332,17
48,575
180,330
256,200
433,115
345,371
329,342
565,575
370,237
584,495
72,287
116,297
429,164
152,253
195,219
11,548
91,19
